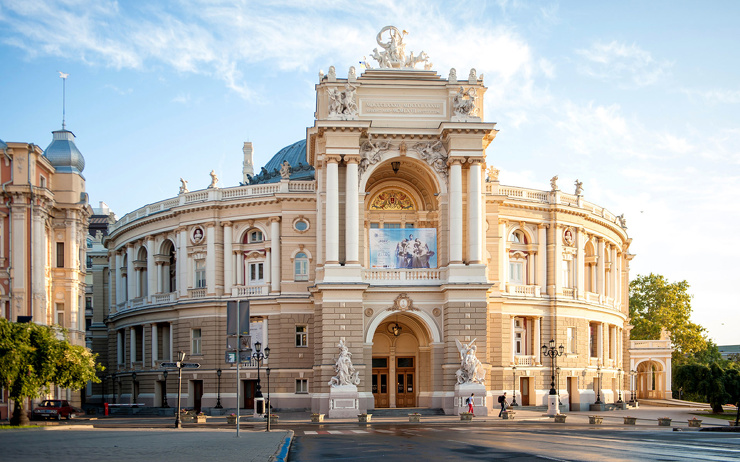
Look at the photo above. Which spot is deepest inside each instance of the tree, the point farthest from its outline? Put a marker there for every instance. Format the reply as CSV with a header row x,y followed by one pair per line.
x,y
33,357
717,384
656,304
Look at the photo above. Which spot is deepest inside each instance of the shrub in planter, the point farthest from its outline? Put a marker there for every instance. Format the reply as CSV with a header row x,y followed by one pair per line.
x,y
316,418
466,416
695,422
664,421
630,420
595,419
560,418
415,417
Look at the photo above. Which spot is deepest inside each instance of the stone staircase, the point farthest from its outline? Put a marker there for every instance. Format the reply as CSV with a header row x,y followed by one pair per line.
x,y
404,411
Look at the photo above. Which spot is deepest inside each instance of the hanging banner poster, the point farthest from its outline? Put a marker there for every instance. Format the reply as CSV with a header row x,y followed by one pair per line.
x,y
403,248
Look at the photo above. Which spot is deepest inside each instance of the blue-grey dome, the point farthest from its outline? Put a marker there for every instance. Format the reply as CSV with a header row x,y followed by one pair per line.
x,y
295,154
63,153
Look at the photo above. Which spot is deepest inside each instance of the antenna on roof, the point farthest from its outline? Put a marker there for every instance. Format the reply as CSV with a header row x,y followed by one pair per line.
x,y
64,76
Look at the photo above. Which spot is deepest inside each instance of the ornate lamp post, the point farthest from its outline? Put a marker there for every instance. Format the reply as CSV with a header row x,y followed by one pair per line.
x,y
258,356
218,399
269,407
557,384
633,385
619,388
180,359
513,401
552,352
598,389
164,396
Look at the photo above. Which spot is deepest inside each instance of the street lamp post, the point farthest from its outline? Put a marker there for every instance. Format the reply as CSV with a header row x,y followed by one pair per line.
x,y
258,356
619,388
513,401
557,384
180,359
552,352
164,397
633,385
598,388
269,410
218,399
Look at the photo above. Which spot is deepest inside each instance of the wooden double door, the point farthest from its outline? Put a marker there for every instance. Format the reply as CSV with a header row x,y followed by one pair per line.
x,y
404,390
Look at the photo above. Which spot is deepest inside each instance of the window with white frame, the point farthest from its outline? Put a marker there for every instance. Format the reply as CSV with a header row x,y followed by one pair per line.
x,y
301,385
301,267
200,274
195,342
256,273
516,272
520,337
517,237
59,309
255,236
566,273
570,342
301,336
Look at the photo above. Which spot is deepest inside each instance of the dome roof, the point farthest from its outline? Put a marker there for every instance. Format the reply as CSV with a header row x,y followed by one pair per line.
x,y
63,153
295,154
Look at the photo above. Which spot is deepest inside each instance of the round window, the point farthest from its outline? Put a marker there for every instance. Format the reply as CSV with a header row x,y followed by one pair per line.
x,y
301,225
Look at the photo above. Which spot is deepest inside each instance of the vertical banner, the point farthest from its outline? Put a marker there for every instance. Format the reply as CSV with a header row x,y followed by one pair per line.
x,y
398,248
240,319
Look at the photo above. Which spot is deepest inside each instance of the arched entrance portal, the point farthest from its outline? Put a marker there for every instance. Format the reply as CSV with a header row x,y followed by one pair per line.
x,y
650,380
401,362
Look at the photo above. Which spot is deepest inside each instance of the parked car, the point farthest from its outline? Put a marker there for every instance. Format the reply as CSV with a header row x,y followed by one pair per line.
x,y
55,409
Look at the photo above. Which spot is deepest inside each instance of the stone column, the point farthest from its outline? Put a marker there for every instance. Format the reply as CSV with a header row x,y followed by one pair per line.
x,y
542,257
183,269
152,284
600,343
131,273
537,341
160,276
513,339
211,257
113,284
332,209
155,345
558,260
240,280
580,265
613,272
475,215
351,211
132,345
503,255
228,257
266,268
455,211
119,277
276,254
600,267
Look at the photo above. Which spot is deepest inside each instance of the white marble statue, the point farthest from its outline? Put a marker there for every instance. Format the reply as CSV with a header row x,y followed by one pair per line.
x,y
579,187
622,221
434,153
346,373
285,170
183,186
371,153
343,103
492,174
554,183
214,180
453,76
463,103
394,55
471,370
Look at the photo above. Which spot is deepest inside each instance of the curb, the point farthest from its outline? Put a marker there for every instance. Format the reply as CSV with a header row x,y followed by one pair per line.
x,y
282,453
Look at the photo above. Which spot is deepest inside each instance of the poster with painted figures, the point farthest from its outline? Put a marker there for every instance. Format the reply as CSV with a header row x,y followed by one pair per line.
x,y
399,248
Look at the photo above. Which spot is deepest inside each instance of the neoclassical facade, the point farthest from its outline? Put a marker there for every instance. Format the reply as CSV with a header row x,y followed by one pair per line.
x,y
386,227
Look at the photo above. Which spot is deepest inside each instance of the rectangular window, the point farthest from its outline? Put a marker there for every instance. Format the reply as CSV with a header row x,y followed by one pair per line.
x,y
592,341
301,267
516,272
410,225
42,181
374,225
571,340
301,336
566,274
391,225
60,254
256,274
200,274
195,344
301,385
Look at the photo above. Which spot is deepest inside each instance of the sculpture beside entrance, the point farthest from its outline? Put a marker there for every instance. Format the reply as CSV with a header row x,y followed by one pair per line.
x,y
471,370
344,399
346,373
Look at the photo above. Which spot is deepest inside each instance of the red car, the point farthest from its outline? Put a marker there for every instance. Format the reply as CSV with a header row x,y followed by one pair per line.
x,y
54,409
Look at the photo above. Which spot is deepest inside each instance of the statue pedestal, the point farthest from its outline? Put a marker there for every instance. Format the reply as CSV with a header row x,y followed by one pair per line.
x,y
552,405
480,400
344,402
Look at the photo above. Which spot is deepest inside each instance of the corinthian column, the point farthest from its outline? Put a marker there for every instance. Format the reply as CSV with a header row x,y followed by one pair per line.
x,y
455,211
332,209
351,213
276,253
228,258
475,215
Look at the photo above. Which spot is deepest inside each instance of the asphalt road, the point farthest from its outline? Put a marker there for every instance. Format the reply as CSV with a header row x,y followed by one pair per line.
x,y
432,443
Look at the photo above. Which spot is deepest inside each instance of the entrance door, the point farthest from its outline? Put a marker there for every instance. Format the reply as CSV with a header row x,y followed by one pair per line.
x,y
524,389
197,394
569,388
405,384
380,382
248,389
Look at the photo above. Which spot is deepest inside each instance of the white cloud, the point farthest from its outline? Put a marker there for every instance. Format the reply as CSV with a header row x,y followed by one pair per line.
x,y
181,98
717,96
626,65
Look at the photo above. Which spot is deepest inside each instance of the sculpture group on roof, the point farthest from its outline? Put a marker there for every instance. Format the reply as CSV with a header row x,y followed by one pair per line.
x,y
342,103
394,55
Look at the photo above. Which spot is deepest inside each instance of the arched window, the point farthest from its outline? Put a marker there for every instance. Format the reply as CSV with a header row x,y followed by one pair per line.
x,y
301,267
517,237
255,235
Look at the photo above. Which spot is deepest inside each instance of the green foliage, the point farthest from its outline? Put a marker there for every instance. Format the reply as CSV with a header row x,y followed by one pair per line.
x,y
717,384
656,304
33,357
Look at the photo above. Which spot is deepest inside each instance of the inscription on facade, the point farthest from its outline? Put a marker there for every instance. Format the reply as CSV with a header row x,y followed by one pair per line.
x,y
395,107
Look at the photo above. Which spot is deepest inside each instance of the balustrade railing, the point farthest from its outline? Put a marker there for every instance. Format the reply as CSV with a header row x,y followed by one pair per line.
x,y
250,291
197,293
645,344
524,290
162,299
418,276
524,360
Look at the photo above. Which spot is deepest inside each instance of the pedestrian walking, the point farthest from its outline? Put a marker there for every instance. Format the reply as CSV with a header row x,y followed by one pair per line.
x,y
469,401
502,401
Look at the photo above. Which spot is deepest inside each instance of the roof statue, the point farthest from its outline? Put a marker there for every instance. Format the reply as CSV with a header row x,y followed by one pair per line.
x,y
463,104
183,186
579,187
214,180
342,103
285,170
394,55
554,183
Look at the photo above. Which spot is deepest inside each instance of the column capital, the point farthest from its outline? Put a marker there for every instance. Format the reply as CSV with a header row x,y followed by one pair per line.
x,y
351,159
332,158
457,160
227,224
542,225
273,220
149,238
180,229
476,160
210,224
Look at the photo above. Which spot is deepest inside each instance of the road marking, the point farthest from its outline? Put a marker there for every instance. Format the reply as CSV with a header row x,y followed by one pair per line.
x,y
310,432
384,431
359,431
335,432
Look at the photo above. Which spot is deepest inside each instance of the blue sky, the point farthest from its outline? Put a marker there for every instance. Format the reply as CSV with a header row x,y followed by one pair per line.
x,y
638,100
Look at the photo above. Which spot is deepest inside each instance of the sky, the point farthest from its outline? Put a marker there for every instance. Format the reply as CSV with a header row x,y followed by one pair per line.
x,y
638,100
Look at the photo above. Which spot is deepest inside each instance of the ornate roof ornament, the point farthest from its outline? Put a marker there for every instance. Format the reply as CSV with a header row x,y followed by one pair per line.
x,y
403,303
394,55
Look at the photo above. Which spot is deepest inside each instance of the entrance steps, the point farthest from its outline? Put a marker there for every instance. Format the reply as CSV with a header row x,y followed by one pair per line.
x,y
404,411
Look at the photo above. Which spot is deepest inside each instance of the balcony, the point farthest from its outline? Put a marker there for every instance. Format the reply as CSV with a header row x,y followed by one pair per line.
x,y
523,290
197,293
650,344
164,299
421,276
250,291
524,360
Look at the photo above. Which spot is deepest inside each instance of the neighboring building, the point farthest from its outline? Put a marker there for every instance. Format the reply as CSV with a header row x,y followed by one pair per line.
x,y
319,244
44,223
729,351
